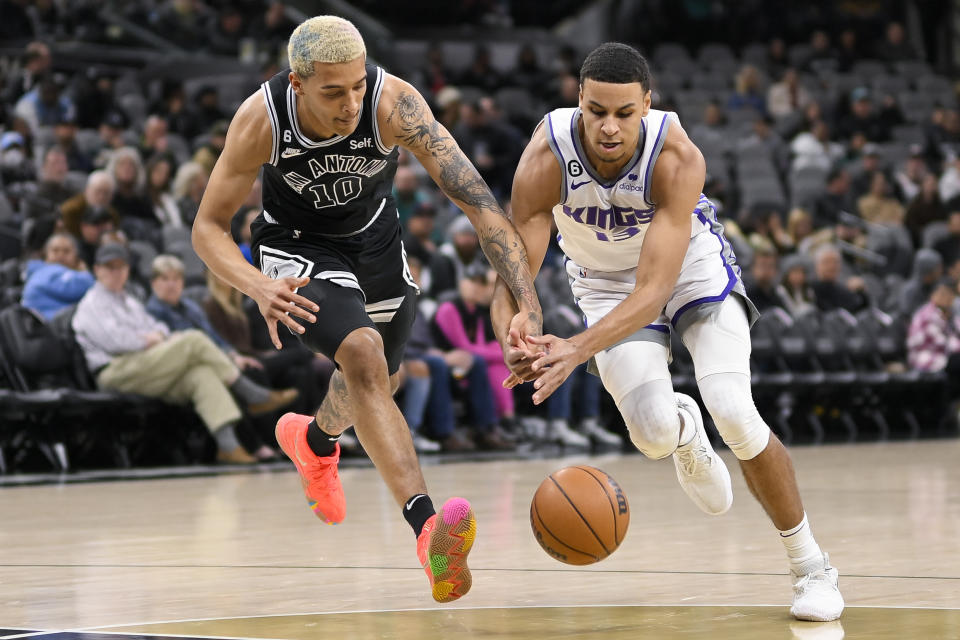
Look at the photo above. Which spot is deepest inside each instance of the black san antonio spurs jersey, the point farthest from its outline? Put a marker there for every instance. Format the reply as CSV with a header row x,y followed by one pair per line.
x,y
336,187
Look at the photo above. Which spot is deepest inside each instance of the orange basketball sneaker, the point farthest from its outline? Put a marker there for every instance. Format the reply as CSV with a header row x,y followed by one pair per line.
x,y
321,483
442,548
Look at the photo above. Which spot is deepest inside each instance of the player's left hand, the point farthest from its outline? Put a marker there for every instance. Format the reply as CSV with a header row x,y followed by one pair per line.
x,y
517,354
558,361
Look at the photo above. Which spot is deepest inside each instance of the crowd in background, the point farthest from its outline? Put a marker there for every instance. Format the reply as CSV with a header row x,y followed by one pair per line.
x,y
836,192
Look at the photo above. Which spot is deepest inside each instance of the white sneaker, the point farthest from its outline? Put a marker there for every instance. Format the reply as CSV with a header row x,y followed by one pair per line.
x,y
424,445
560,432
591,428
816,594
700,470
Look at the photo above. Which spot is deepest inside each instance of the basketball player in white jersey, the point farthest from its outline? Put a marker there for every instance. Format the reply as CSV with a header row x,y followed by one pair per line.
x,y
645,257
332,267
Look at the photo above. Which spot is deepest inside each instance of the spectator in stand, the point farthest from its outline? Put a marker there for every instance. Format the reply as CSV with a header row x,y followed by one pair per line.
x,y
766,140
112,130
129,197
173,108
168,305
528,74
879,206
435,73
927,270
225,31
418,237
57,281
15,166
407,193
910,177
766,230
942,136
95,97
814,148
45,104
848,54
924,209
461,250
762,284
182,22
863,118
427,396
89,215
828,290
154,139
130,351
36,64
747,92
933,337
826,207
787,96
271,28
207,111
52,188
777,58
293,366
795,289
65,137
712,130
210,151
448,101
949,246
494,147
188,187
463,324
895,47
480,73
799,225
159,171
821,56
870,163
949,186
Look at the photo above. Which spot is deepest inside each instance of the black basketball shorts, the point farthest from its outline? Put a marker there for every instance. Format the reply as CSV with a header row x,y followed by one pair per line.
x,y
359,281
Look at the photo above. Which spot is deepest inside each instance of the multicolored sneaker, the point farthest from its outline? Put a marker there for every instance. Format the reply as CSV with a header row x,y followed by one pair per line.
x,y
442,548
321,483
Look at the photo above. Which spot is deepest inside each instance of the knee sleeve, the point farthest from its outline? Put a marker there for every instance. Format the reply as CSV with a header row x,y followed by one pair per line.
x,y
729,401
650,413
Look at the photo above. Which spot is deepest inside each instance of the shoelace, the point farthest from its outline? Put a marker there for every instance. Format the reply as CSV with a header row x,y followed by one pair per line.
x,y
325,473
811,580
690,459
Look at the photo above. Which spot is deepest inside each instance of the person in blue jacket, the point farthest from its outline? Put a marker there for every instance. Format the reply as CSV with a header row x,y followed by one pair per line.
x,y
59,280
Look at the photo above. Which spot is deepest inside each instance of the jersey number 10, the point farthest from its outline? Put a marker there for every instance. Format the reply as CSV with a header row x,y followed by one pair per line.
x,y
344,190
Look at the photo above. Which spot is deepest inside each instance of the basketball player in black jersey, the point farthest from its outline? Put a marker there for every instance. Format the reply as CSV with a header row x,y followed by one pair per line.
x,y
332,266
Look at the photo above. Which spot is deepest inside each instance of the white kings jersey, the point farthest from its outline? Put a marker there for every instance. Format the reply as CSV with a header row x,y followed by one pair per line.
x,y
602,223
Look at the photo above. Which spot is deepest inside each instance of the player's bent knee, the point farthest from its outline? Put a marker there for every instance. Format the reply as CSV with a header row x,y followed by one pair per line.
x,y
728,399
650,413
361,352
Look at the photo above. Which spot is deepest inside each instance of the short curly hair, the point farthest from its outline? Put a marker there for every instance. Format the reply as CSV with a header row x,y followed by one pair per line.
x,y
616,63
327,39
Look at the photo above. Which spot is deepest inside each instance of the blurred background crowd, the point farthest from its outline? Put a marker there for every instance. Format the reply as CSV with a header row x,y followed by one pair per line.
x,y
831,133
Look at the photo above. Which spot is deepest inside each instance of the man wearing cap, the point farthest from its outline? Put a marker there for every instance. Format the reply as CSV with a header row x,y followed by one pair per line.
x,y
862,118
65,134
129,351
451,260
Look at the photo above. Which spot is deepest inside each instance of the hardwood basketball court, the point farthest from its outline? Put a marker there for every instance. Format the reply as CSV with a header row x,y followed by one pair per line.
x,y
241,556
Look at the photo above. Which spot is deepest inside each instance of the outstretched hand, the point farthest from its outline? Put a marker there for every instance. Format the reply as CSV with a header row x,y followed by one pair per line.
x,y
279,302
555,365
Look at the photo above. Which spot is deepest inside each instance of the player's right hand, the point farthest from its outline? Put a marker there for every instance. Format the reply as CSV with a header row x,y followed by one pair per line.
x,y
278,302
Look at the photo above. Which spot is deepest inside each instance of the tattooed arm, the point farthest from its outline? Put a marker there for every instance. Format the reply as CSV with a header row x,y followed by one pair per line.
x,y
406,120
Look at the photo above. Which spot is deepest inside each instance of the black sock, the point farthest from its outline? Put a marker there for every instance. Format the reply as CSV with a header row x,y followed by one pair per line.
x,y
321,443
417,511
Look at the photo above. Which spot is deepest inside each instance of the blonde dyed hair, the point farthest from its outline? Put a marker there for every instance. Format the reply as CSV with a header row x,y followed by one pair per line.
x,y
326,39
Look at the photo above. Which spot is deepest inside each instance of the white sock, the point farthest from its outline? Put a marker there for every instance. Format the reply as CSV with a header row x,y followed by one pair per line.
x,y
802,550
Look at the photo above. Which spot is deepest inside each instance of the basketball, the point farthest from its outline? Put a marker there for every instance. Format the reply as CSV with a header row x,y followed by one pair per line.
x,y
579,515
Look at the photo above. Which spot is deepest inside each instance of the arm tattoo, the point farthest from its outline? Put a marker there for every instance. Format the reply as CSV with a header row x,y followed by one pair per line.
x,y
460,180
